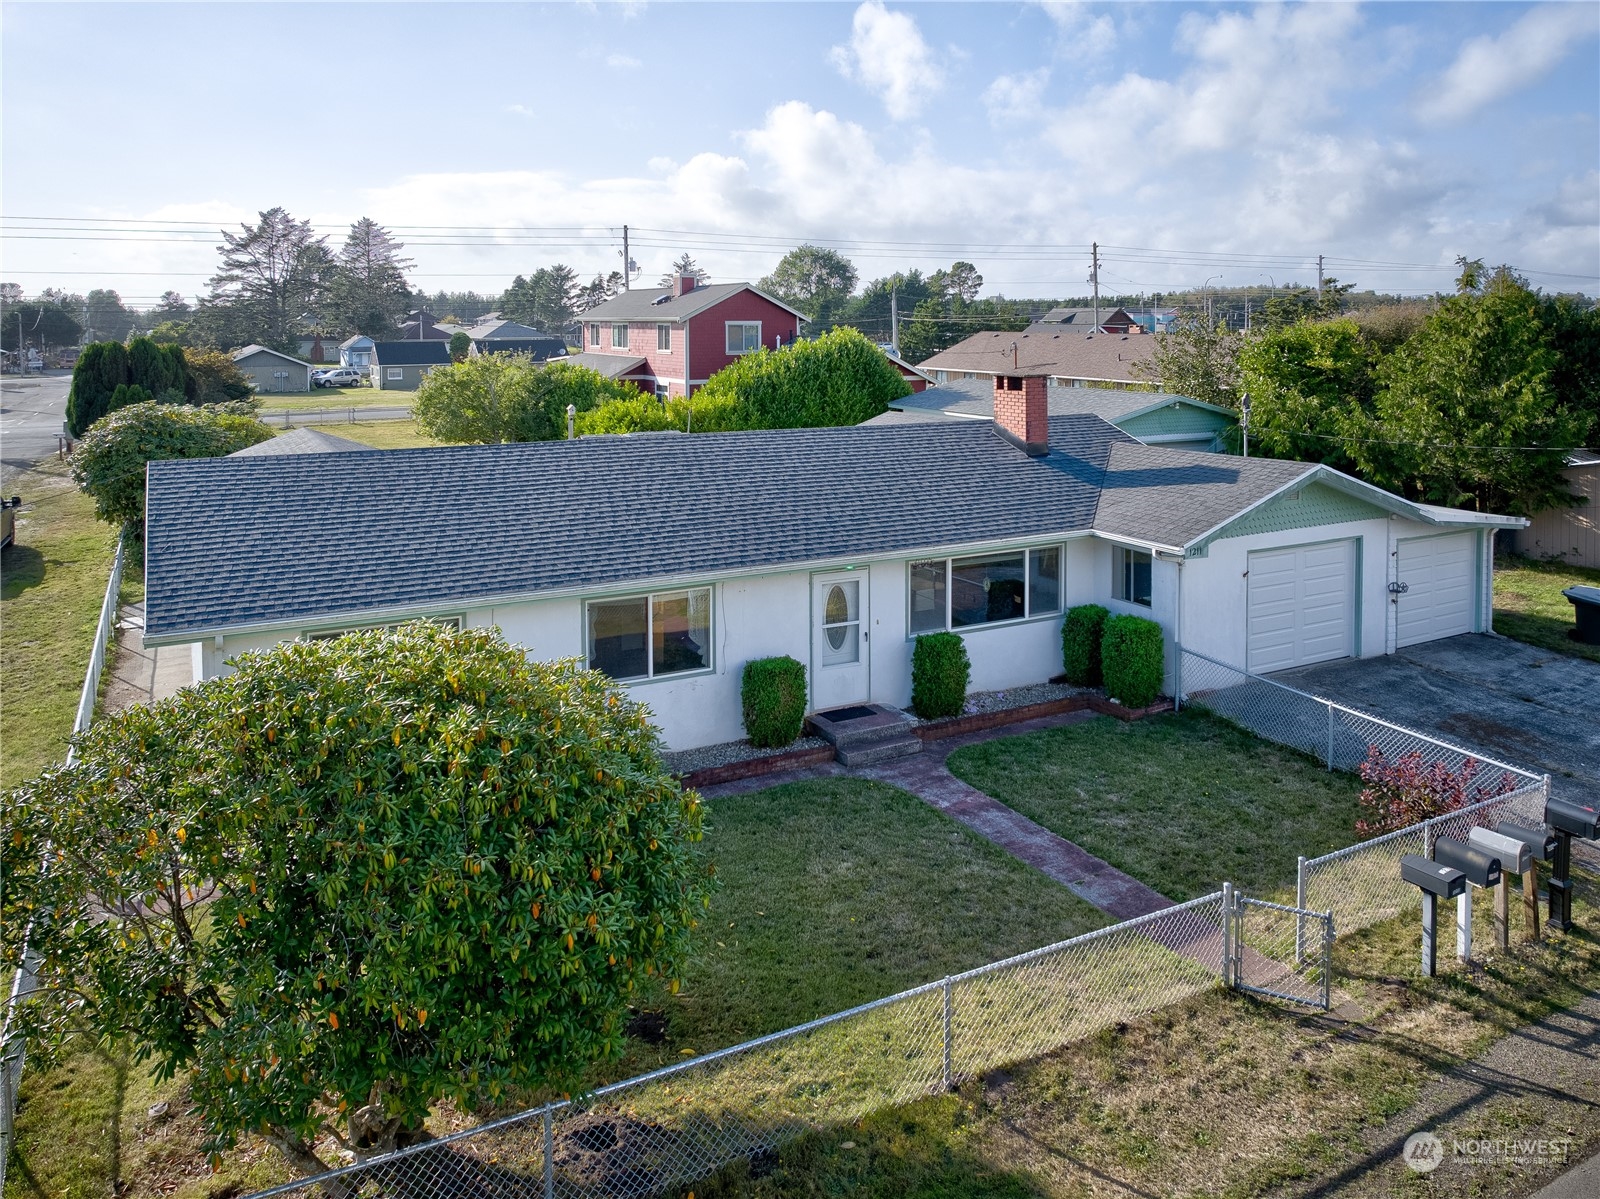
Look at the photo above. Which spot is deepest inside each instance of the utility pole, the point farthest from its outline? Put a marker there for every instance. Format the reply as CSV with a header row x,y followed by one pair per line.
x,y
1319,278
1094,277
1247,314
627,263
894,319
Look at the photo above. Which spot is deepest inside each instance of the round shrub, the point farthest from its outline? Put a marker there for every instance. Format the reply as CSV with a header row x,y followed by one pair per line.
x,y
1131,659
1080,644
774,695
940,672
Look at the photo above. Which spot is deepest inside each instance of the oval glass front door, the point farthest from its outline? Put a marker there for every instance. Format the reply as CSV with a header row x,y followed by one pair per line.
x,y
841,624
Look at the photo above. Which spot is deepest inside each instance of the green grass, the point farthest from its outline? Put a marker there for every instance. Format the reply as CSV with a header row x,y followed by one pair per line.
x,y
1529,606
334,397
380,434
52,582
1222,1095
1182,802
838,891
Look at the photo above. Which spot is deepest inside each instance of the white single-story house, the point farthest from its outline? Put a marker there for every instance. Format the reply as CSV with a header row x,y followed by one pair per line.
x,y
1155,418
271,371
670,560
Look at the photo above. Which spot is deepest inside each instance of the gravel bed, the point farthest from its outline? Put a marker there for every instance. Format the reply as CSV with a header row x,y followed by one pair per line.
x,y
685,761
1016,697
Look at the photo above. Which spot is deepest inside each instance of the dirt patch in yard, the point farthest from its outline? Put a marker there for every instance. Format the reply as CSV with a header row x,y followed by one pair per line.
x,y
1491,734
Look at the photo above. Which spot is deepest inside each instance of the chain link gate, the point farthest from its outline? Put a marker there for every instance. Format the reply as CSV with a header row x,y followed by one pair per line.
x,y
1276,950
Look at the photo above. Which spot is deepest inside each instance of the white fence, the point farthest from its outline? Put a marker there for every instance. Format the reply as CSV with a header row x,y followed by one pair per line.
x,y
12,1048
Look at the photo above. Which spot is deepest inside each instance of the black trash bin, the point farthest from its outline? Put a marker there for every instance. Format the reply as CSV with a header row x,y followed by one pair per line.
x,y
1586,605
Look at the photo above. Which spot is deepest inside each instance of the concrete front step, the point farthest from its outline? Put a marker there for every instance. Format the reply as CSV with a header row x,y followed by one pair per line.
x,y
881,724
870,752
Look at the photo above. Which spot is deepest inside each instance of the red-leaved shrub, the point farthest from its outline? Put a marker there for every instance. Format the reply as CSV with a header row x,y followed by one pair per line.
x,y
1408,790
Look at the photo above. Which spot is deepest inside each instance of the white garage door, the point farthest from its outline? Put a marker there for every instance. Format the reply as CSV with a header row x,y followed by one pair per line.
x,y
1300,605
1439,574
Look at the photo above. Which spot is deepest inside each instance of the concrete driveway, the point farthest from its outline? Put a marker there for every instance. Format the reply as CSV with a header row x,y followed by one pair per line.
x,y
1526,706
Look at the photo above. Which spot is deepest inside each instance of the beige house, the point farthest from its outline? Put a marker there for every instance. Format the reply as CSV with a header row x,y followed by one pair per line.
x,y
271,371
1570,534
1071,358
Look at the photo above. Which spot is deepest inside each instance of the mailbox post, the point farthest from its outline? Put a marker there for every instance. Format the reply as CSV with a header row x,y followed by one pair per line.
x,y
1516,857
1436,881
1541,848
1568,820
1481,870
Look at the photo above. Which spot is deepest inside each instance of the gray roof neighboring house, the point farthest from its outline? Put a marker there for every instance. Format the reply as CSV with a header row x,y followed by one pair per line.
x,y
1102,357
300,441
611,366
244,352
415,352
502,329
1083,318
974,399
659,304
360,339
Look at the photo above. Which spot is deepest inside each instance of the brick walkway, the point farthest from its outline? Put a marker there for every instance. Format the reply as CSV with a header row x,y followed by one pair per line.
x,y
925,776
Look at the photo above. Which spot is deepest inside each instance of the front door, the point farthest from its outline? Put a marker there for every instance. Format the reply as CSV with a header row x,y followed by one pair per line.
x,y
839,640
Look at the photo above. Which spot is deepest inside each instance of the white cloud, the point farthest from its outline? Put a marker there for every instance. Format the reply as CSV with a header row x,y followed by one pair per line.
x,y
1490,68
520,110
1082,32
887,55
622,62
1016,97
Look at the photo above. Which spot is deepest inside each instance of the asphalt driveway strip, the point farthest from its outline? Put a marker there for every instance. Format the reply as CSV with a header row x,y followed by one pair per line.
x,y
1526,706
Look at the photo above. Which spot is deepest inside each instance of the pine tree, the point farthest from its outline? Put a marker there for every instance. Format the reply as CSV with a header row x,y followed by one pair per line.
x,y
272,274
368,292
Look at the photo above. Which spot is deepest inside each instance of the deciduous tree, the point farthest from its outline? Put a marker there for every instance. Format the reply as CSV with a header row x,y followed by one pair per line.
x,y
1196,360
354,878
816,280
507,397
107,317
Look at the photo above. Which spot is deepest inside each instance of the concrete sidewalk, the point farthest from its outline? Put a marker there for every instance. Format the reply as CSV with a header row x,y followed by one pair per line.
x,y
926,776
141,676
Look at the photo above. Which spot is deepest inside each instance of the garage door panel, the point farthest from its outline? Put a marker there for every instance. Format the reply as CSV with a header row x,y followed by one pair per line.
x,y
1439,574
1300,606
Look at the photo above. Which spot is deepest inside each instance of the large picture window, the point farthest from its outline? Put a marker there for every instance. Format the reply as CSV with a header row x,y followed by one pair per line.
x,y
648,636
744,337
962,593
1130,575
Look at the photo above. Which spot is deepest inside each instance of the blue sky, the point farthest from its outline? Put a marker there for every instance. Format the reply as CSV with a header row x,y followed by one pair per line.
x,y
1192,141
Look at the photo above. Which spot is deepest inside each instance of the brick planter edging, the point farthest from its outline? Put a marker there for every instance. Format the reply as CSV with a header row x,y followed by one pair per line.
x,y
753,767
1106,708
956,726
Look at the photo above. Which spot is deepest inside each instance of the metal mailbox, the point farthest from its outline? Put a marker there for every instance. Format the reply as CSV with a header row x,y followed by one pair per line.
x,y
1565,816
1435,878
1481,868
1515,854
1541,844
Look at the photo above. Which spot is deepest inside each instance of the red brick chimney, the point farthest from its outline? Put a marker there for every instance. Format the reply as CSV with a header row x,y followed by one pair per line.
x,y
1022,411
685,285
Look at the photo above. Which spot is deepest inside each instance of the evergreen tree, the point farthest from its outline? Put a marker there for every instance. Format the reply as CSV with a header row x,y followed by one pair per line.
x,y
367,292
684,265
272,274
545,300
101,368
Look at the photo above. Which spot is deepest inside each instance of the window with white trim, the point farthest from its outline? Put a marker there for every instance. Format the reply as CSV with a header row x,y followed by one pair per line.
x,y
619,336
397,372
650,636
1130,575
744,337
594,335
962,593
664,337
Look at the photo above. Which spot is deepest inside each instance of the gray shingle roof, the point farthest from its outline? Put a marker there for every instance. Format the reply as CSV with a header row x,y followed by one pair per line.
x,y
640,303
415,352
612,366
244,352
975,397
301,441
247,542
1171,497
1065,354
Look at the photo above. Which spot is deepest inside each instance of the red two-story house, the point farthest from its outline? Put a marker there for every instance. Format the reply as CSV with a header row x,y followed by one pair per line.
x,y
670,340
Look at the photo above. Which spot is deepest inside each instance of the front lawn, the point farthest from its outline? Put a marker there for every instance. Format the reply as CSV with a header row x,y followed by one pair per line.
x,y
1529,606
839,891
1182,802
334,397
380,434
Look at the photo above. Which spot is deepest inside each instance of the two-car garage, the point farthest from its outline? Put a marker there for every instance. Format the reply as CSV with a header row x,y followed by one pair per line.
x,y
1301,601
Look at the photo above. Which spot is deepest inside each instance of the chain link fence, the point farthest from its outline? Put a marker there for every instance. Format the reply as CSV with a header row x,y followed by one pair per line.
x,y
1279,951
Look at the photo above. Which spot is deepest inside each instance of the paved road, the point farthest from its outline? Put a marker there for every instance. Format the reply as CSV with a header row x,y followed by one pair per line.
x,y
32,410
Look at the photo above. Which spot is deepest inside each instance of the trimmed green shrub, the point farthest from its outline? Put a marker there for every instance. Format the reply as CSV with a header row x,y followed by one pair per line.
x,y
774,695
940,672
1131,659
1080,644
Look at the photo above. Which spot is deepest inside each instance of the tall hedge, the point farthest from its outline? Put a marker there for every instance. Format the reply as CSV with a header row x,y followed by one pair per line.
x,y
940,672
101,368
840,378
1081,632
773,692
109,375
1131,659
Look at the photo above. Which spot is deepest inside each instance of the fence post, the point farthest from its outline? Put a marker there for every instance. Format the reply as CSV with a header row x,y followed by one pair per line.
x,y
1300,920
1177,677
1228,979
1327,961
549,1153
1330,737
949,1035
1427,836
